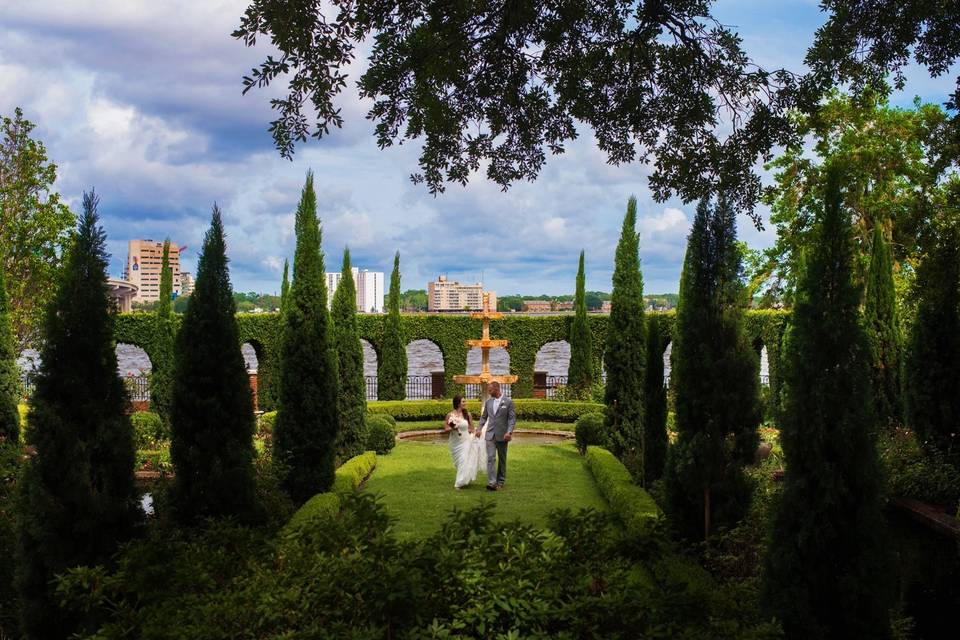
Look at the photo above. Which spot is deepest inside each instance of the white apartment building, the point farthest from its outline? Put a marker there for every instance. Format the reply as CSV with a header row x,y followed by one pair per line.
x,y
444,295
369,285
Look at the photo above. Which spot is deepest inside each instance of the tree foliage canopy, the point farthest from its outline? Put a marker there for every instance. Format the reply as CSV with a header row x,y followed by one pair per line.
x,y
352,398
304,437
827,560
714,375
502,84
892,180
392,370
865,41
35,226
211,407
77,497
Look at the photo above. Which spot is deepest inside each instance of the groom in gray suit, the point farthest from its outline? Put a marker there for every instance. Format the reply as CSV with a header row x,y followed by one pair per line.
x,y
499,418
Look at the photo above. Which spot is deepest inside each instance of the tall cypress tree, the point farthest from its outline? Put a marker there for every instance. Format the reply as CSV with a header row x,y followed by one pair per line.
x,y
714,377
161,378
655,394
580,375
9,374
305,433
392,372
285,285
625,349
827,561
76,497
212,408
353,391
166,283
933,355
883,332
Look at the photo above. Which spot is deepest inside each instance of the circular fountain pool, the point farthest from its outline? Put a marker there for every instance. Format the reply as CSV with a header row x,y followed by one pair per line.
x,y
519,437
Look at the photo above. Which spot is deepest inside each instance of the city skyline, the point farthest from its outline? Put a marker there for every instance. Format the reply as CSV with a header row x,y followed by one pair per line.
x,y
163,134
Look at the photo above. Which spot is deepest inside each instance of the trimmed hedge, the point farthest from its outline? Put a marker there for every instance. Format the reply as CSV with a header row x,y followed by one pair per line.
x,y
381,436
325,506
527,334
591,431
632,504
353,472
527,409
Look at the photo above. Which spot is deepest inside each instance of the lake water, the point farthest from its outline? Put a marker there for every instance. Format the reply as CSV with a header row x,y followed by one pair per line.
x,y
422,358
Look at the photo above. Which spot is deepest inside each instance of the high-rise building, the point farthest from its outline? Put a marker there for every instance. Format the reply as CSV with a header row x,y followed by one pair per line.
x,y
444,295
144,260
369,286
186,283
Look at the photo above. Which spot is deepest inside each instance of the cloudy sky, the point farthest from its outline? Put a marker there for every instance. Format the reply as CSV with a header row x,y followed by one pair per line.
x,y
142,100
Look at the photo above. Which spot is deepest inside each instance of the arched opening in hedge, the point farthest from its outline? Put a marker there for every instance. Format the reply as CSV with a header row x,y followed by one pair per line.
x,y
423,357
134,366
764,367
499,361
370,361
251,356
667,352
554,358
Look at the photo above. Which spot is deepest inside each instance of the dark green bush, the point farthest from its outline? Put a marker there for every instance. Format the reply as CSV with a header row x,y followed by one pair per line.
x,y
591,430
530,409
384,416
380,435
10,464
325,506
148,430
632,504
915,473
348,577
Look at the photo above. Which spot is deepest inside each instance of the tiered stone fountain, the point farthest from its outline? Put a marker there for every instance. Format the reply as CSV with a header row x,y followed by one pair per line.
x,y
485,343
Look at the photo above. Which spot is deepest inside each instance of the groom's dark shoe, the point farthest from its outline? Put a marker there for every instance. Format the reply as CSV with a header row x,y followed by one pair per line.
x,y
492,487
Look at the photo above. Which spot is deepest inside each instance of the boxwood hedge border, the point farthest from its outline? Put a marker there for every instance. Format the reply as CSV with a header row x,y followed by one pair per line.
x,y
527,335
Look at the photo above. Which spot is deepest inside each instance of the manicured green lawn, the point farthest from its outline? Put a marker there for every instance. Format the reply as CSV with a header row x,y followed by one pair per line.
x,y
416,484
521,424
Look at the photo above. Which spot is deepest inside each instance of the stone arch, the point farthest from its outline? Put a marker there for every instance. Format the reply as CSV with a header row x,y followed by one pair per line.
x,y
261,365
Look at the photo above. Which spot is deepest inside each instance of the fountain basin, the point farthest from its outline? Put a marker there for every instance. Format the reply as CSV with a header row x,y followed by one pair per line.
x,y
520,436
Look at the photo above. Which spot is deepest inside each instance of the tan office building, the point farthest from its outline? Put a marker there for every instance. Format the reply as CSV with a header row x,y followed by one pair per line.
x,y
144,259
444,295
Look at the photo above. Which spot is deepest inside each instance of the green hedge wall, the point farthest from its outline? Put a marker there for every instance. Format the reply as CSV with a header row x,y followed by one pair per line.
x,y
527,334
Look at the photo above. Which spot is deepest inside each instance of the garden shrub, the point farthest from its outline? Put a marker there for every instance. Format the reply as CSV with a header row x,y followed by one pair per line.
x,y
154,460
348,577
632,504
913,472
591,430
148,429
384,416
531,409
265,423
10,464
380,435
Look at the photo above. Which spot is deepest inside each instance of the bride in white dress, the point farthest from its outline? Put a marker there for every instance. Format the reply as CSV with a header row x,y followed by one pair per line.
x,y
466,444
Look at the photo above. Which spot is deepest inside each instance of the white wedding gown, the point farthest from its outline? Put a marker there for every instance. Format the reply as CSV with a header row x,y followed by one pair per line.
x,y
468,451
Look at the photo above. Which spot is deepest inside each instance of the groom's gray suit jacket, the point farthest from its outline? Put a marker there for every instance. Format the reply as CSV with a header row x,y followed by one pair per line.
x,y
501,423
